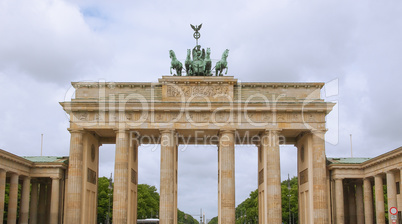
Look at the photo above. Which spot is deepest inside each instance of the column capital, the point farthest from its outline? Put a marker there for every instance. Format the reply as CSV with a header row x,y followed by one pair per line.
x,y
120,130
318,131
76,130
338,178
25,177
272,131
224,131
167,130
380,175
390,172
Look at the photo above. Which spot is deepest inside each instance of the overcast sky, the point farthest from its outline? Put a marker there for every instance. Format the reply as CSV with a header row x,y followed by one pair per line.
x,y
354,46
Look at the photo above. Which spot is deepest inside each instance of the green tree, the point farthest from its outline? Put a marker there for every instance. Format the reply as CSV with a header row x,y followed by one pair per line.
x,y
148,202
214,220
294,205
247,211
103,199
183,218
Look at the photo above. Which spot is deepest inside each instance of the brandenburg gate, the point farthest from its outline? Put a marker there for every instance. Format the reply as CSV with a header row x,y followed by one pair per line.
x,y
207,110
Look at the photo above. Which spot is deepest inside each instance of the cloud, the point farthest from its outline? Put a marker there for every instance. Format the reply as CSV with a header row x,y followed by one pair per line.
x,y
45,44
48,40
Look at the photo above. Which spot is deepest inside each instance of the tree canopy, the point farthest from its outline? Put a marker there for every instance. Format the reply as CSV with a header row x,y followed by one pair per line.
x,y
148,203
247,211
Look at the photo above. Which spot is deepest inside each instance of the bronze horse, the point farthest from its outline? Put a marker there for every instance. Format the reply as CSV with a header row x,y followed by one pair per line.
x,y
175,64
222,64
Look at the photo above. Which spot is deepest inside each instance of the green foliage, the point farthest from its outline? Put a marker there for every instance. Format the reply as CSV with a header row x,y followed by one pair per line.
x,y
294,205
214,220
103,199
183,218
148,202
247,211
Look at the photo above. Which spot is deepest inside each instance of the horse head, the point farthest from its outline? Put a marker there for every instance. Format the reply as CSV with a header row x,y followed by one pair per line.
x,y
172,54
225,54
208,53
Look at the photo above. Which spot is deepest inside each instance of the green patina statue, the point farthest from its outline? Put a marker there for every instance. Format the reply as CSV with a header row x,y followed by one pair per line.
x,y
175,64
198,62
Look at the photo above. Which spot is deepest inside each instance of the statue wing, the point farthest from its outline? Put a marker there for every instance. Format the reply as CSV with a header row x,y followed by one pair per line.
x,y
199,27
203,54
192,26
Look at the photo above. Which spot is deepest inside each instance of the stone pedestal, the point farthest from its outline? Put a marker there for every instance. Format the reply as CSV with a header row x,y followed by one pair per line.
x,y
379,199
33,210
54,203
75,179
368,201
167,207
2,192
24,210
320,203
226,178
120,191
13,200
340,210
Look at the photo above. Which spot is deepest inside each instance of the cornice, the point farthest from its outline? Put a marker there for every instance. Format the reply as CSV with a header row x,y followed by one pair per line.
x,y
381,158
14,158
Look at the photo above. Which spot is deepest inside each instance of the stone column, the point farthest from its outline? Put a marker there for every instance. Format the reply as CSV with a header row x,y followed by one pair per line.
x,y
167,207
226,182
359,203
320,204
54,201
75,177
33,211
352,203
400,181
120,191
42,204
48,196
391,192
2,192
368,201
379,198
24,210
13,199
340,210
346,202
272,176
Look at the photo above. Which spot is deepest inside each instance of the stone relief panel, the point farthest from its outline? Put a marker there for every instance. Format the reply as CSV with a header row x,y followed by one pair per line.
x,y
188,91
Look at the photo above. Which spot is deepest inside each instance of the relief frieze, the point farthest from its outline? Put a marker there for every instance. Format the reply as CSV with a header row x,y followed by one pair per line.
x,y
188,91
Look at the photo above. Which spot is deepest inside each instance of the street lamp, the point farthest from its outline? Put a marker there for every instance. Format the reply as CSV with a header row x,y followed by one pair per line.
x,y
110,187
290,216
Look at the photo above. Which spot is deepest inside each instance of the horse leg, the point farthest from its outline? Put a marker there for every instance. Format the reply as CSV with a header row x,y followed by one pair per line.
x,y
226,71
